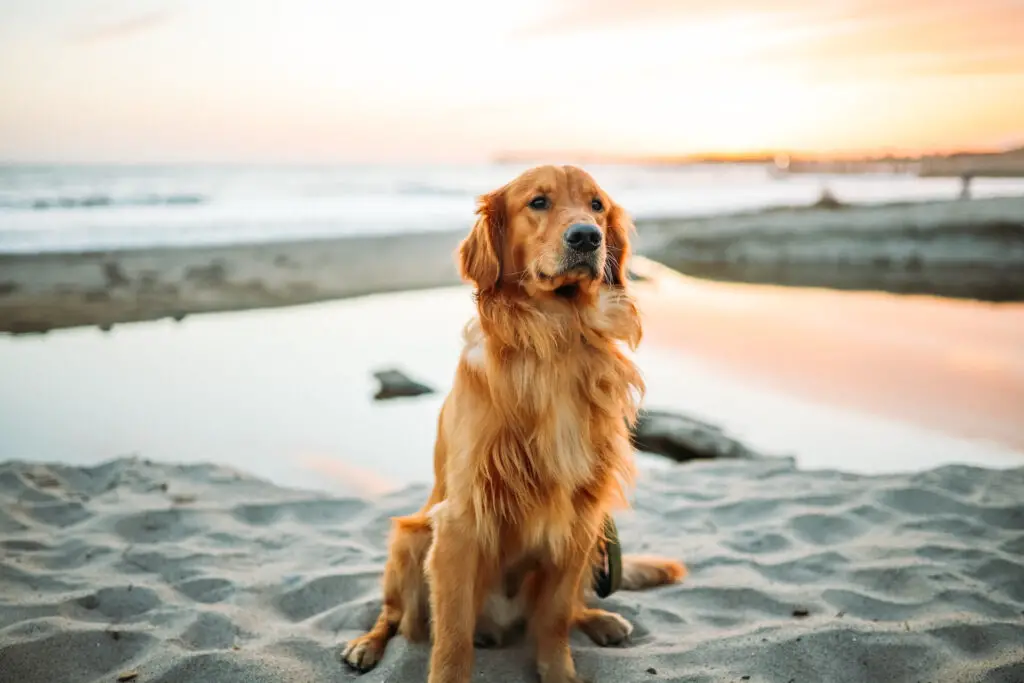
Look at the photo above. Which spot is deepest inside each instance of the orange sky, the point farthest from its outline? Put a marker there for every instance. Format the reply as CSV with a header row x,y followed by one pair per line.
x,y
450,80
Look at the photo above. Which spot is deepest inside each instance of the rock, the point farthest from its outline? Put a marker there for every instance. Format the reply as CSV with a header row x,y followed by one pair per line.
x,y
683,438
827,200
395,384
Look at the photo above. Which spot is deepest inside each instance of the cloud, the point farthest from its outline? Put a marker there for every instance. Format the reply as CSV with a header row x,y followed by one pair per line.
x,y
123,28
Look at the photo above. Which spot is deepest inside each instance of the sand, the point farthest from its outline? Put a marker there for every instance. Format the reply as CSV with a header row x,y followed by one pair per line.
x,y
53,290
198,573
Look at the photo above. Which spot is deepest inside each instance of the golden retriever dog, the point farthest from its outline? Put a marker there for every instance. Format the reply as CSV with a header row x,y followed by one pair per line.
x,y
533,446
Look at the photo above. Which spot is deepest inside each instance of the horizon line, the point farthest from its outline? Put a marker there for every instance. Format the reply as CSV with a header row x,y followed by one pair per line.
x,y
523,156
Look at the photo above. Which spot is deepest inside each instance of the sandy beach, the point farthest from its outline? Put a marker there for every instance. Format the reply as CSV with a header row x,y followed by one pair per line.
x,y
170,574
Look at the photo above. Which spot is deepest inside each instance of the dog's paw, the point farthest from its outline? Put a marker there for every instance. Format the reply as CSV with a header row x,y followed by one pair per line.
x,y
363,653
606,629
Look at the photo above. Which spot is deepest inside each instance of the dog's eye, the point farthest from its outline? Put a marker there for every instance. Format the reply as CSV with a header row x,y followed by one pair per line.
x,y
540,202
597,205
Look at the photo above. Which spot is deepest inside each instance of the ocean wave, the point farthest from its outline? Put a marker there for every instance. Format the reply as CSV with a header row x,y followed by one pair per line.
x,y
420,188
94,201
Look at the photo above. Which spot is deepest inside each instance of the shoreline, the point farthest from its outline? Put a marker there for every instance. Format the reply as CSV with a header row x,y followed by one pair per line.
x,y
961,249
54,290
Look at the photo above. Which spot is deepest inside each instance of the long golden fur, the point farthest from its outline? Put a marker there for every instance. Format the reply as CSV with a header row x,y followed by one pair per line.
x,y
533,447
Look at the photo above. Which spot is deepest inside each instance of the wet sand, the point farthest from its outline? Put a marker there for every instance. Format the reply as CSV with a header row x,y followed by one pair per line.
x,y
40,292
964,249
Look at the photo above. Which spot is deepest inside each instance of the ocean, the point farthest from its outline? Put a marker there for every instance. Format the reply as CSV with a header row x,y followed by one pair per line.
x,y
72,208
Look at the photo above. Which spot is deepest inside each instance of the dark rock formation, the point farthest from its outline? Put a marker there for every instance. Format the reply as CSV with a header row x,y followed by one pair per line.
x,y
683,438
395,384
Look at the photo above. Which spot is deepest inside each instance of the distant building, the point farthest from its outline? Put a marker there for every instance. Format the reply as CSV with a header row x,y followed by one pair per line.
x,y
1009,164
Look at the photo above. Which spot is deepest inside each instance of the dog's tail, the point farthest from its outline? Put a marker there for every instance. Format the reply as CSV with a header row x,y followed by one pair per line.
x,y
647,571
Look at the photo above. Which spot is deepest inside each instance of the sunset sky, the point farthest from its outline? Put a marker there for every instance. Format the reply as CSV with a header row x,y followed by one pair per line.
x,y
453,80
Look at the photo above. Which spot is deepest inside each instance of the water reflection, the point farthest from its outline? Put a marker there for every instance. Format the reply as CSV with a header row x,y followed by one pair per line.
x,y
287,394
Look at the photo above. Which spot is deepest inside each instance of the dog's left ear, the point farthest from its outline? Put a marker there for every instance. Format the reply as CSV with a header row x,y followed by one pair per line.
x,y
620,229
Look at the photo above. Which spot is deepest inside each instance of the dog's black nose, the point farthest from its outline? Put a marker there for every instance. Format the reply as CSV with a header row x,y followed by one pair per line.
x,y
582,237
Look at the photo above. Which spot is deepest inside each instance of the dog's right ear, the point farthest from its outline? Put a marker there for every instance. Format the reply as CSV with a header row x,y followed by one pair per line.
x,y
480,254
620,227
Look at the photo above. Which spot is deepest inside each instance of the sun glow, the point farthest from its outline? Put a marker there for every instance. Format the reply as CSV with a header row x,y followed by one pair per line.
x,y
460,79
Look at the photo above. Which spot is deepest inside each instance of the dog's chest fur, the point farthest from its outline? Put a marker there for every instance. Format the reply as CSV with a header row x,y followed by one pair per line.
x,y
550,439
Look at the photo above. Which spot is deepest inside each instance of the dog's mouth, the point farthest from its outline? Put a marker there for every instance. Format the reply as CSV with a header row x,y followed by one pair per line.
x,y
568,291
578,270
568,283
570,277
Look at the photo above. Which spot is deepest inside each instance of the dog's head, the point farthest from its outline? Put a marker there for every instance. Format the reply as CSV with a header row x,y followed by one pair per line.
x,y
550,231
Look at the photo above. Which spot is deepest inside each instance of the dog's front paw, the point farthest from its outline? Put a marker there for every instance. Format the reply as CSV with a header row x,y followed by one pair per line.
x,y
606,629
363,653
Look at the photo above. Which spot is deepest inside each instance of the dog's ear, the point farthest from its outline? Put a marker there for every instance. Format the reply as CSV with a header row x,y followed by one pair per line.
x,y
620,229
480,254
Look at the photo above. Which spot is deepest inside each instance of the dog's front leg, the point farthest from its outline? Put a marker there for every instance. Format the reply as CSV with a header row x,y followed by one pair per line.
x,y
555,606
456,574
